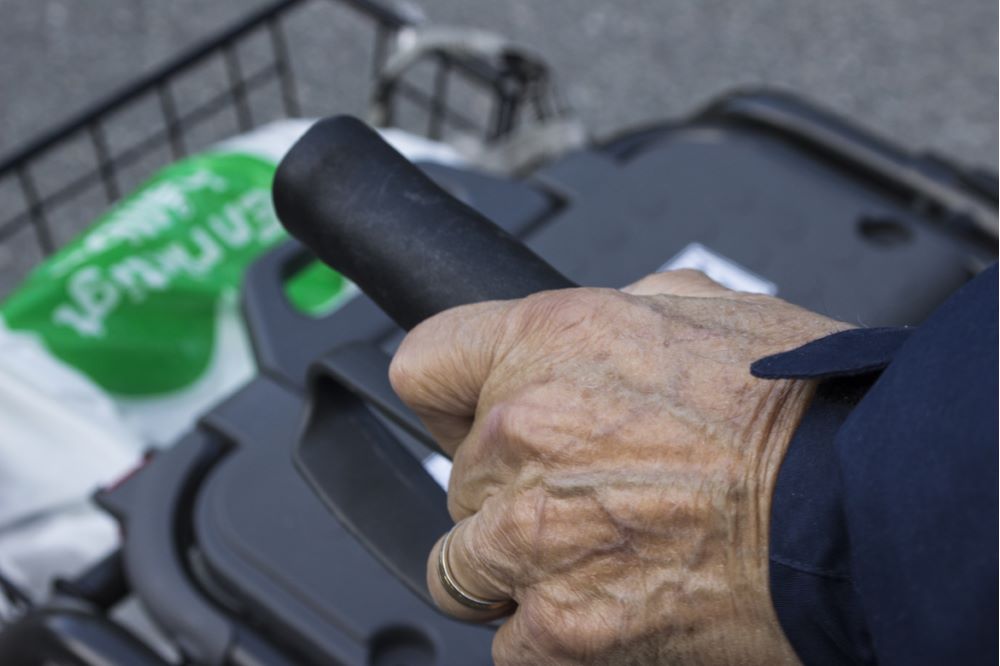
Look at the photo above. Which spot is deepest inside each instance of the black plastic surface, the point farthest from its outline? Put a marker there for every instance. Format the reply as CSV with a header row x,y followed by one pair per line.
x,y
909,176
363,369
267,539
763,202
373,484
153,507
71,637
365,210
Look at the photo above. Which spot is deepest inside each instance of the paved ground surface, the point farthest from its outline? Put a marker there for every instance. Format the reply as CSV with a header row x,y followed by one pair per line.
x,y
923,72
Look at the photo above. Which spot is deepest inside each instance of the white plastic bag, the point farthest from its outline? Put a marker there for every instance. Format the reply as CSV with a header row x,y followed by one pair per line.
x,y
124,337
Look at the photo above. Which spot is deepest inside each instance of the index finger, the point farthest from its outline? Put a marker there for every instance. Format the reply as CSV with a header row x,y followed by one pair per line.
x,y
441,366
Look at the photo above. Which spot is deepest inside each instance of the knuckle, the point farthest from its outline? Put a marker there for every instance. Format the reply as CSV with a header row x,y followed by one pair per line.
x,y
540,425
559,310
683,280
457,508
486,552
654,281
500,421
504,653
692,274
577,634
554,632
510,648
687,280
513,425
553,639
474,479
523,639
501,536
523,515
520,519
539,633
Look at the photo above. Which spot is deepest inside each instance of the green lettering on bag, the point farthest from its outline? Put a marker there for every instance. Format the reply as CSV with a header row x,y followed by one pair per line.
x,y
133,301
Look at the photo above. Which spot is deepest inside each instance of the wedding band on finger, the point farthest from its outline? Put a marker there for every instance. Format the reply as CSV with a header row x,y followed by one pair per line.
x,y
456,591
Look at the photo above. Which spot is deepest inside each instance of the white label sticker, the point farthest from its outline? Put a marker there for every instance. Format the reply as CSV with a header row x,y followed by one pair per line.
x,y
439,468
724,271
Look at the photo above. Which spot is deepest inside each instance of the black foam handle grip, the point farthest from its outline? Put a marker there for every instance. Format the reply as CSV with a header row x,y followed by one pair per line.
x,y
367,212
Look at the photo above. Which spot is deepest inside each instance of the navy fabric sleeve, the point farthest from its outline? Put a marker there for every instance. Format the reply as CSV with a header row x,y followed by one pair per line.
x,y
811,586
884,520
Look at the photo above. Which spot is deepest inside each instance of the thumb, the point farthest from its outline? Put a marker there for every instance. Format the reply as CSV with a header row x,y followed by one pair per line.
x,y
441,366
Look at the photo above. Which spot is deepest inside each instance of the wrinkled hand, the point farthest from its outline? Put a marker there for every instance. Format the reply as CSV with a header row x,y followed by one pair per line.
x,y
613,466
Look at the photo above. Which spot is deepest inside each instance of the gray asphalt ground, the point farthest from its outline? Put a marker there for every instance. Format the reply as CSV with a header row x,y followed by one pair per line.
x,y
922,72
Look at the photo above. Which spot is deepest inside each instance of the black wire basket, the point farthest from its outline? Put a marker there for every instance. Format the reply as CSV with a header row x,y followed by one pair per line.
x,y
246,75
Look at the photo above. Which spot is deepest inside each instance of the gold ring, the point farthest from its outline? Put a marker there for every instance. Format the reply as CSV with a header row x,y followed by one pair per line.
x,y
455,590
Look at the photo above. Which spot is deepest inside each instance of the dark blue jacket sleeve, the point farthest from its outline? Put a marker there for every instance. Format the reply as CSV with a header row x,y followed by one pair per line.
x,y
884,519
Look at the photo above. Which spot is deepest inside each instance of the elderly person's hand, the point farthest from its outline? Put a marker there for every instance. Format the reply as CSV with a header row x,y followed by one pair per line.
x,y
613,467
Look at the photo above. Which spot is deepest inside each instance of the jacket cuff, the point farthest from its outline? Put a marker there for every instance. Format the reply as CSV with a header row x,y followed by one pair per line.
x,y
810,577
